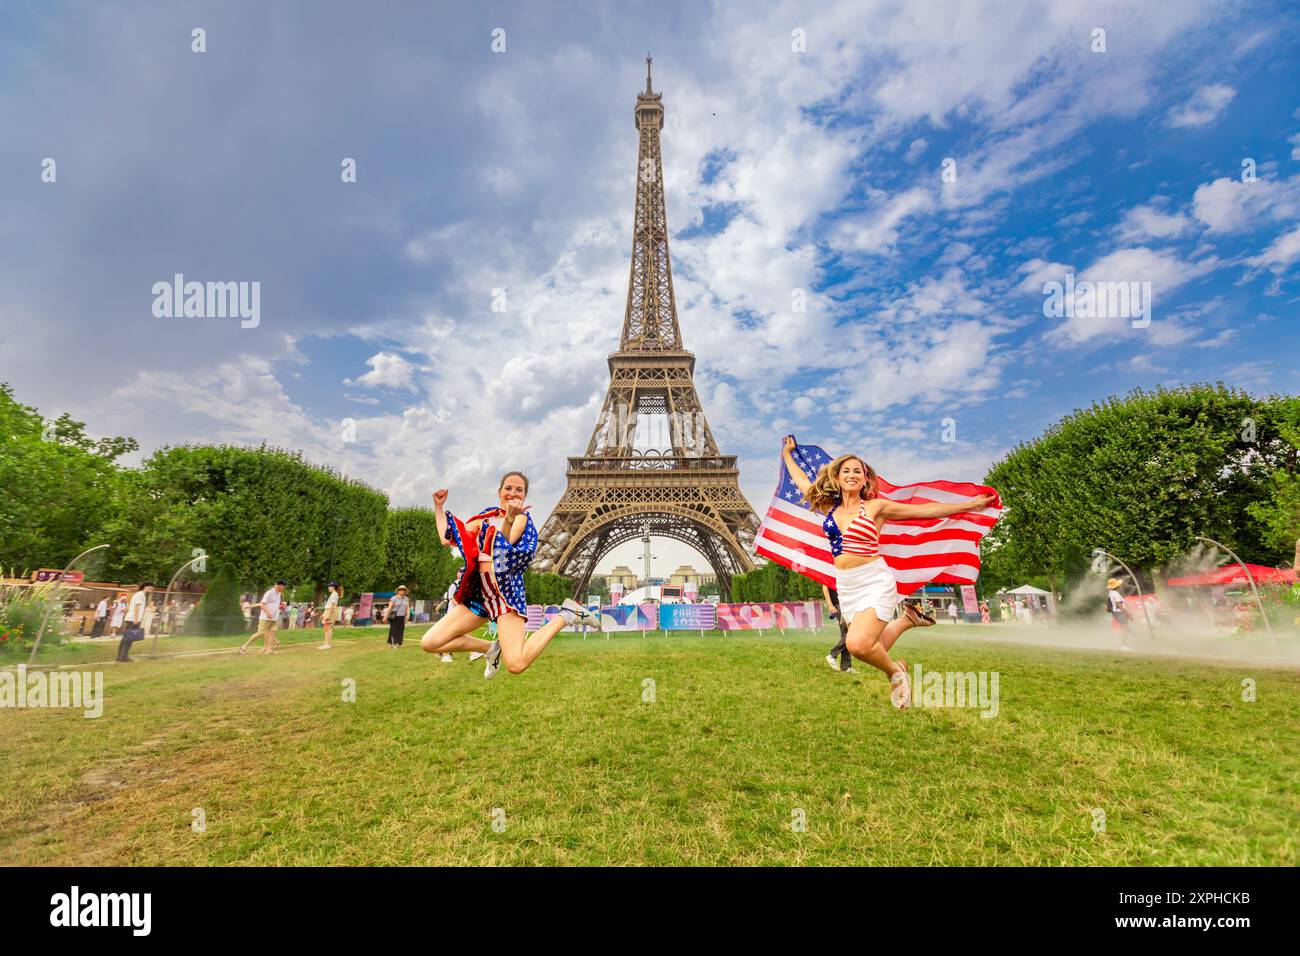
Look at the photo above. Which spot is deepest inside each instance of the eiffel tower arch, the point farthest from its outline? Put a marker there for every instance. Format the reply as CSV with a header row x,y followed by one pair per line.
x,y
620,489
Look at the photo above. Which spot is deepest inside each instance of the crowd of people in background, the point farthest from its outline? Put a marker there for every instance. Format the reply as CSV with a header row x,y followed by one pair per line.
x,y
129,616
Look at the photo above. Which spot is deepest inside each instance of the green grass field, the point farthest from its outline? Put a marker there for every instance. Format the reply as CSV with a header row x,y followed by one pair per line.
x,y
744,735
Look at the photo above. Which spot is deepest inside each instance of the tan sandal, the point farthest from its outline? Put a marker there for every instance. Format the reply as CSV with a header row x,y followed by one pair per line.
x,y
918,617
900,690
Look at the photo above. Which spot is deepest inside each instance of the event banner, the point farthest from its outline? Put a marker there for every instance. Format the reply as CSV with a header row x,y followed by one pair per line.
x,y
688,617
759,617
795,615
969,600
539,614
693,617
744,617
630,617
535,619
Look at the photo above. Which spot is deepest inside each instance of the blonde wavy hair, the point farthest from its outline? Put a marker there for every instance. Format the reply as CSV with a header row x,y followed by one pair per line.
x,y
825,491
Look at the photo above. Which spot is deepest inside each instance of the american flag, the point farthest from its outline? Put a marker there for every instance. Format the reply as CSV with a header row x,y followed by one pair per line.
x,y
919,550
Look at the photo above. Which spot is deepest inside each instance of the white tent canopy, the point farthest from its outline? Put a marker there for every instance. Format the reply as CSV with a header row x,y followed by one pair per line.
x,y
648,593
1028,589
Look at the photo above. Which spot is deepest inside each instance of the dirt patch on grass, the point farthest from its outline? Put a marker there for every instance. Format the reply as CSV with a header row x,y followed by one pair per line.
x,y
247,688
96,818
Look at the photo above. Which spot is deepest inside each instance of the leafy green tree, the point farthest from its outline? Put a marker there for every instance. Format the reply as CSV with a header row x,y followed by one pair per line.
x,y
262,514
57,485
1139,476
546,588
415,556
1279,514
218,611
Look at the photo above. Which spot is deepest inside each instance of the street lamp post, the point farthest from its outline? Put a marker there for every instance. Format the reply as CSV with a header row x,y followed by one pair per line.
x,y
36,646
1249,577
153,649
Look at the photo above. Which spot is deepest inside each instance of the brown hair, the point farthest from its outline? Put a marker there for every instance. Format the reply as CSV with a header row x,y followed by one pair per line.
x,y
508,474
825,491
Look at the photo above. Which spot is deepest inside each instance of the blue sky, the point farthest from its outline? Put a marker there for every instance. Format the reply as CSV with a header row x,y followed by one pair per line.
x,y
816,169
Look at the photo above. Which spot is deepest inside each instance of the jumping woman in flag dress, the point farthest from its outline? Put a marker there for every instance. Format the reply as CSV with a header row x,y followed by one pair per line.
x,y
498,545
845,492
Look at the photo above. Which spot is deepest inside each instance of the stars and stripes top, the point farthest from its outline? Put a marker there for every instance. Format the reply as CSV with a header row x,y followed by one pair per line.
x,y
918,550
860,537
509,561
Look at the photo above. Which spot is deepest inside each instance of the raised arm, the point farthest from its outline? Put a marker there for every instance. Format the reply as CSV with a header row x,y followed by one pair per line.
x,y
895,510
796,473
439,501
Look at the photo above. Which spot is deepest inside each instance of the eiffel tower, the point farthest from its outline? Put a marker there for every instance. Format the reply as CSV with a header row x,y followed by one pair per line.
x,y
621,490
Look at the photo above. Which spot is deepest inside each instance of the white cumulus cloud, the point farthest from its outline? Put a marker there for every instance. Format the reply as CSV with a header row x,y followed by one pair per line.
x,y
1204,106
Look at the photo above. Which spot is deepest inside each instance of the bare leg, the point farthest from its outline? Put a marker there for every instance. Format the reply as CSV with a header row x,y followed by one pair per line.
x,y
260,632
452,633
518,652
864,641
894,630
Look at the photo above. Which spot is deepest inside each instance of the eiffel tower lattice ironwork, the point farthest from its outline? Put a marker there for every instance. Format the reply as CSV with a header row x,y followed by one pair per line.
x,y
621,489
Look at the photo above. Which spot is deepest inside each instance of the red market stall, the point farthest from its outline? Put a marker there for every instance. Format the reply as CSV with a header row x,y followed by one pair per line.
x,y
1233,574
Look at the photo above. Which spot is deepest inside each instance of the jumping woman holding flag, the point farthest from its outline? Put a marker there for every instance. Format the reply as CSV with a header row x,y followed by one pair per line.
x,y
498,544
845,491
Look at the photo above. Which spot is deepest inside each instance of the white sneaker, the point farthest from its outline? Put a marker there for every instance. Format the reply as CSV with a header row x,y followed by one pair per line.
x,y
849,671
446,658
475,655
325,647
493,661
581,616
832,662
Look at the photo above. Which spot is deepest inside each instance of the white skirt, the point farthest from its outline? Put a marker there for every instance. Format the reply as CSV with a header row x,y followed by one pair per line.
x,y
870,586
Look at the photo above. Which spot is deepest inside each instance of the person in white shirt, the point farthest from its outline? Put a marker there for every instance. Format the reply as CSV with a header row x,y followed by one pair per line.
x,y
101,618
270,609
119,615
330,616
136,612
952,612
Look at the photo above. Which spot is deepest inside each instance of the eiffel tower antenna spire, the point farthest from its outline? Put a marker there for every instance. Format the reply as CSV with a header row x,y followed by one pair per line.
x,y
652,465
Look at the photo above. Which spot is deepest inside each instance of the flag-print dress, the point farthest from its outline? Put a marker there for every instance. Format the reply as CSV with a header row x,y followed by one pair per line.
x,y
492,590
